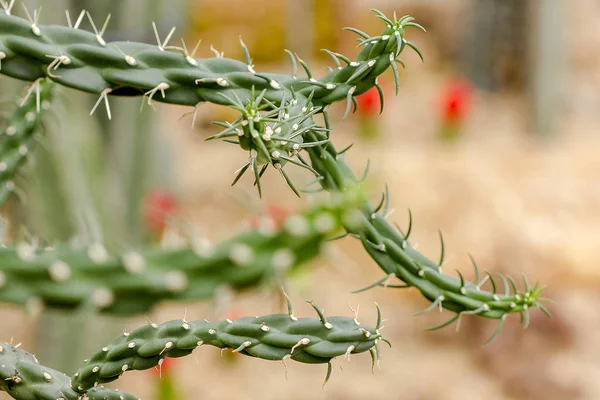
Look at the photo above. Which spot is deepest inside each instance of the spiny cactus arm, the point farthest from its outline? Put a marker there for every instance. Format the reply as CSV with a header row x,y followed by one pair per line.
x,y
24,378
134,281
17,139
276,337
392,251
85,61
387,245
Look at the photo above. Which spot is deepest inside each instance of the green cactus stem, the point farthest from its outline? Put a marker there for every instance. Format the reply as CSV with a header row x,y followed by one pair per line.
x,y
277,337
386,244
85,61
390,247
134,281
17,139
24,378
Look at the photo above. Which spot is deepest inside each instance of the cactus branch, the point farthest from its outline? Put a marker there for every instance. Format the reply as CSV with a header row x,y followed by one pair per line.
x,y
395,255
276,337
135,280
85,61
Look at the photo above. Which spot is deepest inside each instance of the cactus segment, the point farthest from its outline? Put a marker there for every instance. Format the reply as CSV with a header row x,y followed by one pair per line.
x,y
85,61
276,337
272,135
387,246
271,337
24,378
17,140
133,281
392,251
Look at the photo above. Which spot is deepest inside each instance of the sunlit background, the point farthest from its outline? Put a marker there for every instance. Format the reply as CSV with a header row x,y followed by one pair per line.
x,y
494,139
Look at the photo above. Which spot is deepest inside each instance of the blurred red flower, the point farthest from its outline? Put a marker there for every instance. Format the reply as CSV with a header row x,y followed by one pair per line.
x,y
159,205
456,100
369,103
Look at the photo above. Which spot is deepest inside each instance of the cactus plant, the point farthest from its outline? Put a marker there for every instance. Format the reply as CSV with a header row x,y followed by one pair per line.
x,y
276,127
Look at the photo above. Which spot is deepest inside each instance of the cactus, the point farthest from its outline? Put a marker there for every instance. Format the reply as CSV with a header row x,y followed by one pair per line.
x,y
276,337
132,282
276,127
85,61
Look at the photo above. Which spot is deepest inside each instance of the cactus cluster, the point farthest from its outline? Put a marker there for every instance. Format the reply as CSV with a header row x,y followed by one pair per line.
x,y
277,126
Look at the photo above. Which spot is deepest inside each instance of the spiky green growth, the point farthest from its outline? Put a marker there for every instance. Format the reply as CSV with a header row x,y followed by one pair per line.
x,y
134,281
390,247
24,378
17,138
273,337
276,337
275,125
85,61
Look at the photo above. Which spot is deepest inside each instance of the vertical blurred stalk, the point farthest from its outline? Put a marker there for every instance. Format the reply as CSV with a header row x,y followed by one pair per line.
x,y
301,27
547,63
515,41
479,39
496,44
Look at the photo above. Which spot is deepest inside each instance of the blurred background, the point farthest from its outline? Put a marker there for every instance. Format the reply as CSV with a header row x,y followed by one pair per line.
x,y
494,140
